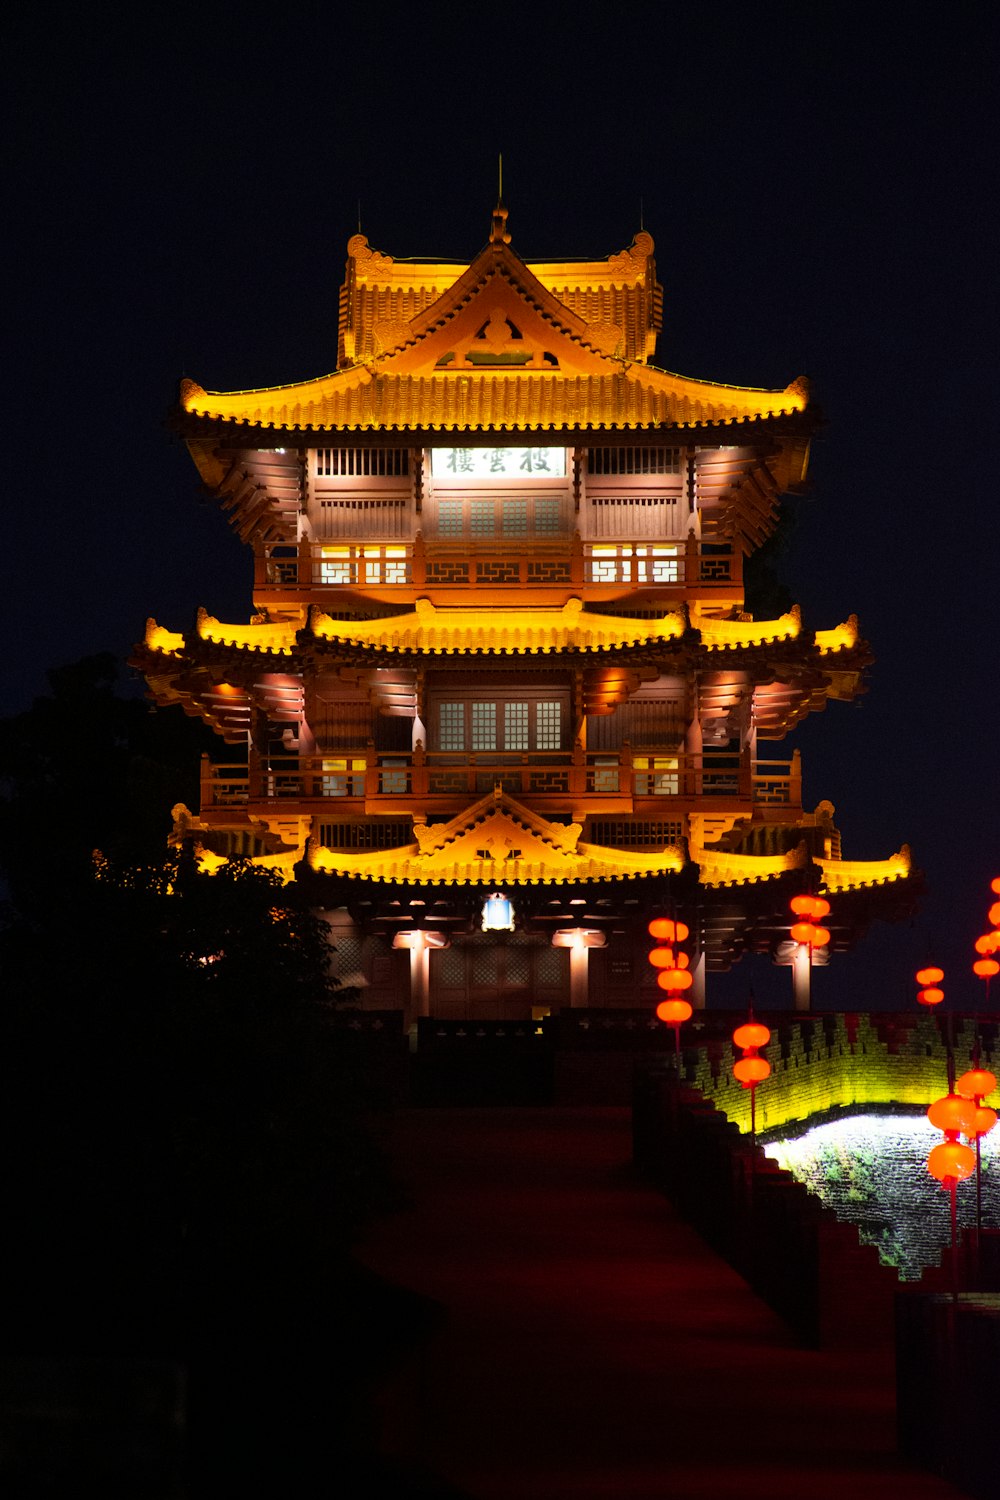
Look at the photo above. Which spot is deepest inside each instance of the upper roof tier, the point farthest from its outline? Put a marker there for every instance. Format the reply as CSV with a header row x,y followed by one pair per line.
x,y
494,346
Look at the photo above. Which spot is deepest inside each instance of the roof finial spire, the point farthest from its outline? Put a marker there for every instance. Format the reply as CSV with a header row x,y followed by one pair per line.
x,y
498,231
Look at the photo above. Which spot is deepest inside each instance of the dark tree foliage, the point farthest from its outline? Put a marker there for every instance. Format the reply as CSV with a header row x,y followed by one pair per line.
x,y
89,767
186,1113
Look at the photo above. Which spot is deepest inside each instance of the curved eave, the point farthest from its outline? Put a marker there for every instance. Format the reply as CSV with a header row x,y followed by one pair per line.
x,y
490,400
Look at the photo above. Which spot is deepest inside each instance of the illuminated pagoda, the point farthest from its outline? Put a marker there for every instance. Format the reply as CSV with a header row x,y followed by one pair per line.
x,y
500,699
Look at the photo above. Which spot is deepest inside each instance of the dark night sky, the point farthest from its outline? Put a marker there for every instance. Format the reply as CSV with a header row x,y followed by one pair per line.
x,y
180,192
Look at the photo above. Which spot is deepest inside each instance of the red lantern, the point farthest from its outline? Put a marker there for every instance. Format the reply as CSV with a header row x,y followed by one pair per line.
x,y
994,914
951,1162
802,932
673,1012
930,996
751,1070
988,943
953,1114
995,885
984,1122
668,958
815,907
821,936
668,930
751,1034
675,979
662,958
985,968
976,1083
930,975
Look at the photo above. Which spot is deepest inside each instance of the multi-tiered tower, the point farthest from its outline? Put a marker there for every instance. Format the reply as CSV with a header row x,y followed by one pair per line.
x,y
499,646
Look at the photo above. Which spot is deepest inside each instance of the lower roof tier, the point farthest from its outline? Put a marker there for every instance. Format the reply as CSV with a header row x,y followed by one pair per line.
x,y
558,879
223,672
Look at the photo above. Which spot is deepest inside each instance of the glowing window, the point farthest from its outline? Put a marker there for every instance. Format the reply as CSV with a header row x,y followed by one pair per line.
x,y
336,565
656,775
343,777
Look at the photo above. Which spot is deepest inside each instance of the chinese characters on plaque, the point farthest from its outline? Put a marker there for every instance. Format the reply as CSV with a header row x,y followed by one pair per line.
x,y
498,463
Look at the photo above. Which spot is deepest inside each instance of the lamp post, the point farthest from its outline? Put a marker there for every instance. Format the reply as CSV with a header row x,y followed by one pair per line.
x,y
808,936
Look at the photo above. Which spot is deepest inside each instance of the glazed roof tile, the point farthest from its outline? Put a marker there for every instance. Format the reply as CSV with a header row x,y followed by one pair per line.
x,y
462,631
354,400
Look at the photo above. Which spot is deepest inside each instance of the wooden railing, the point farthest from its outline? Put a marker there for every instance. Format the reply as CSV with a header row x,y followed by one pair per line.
x,y
367,775
512,562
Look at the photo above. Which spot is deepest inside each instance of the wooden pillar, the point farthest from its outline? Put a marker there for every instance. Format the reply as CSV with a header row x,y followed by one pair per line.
x,y
578,965
802,976
696,994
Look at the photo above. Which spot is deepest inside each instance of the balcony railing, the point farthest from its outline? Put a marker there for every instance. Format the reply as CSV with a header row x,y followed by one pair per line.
x,y
367,777
513,562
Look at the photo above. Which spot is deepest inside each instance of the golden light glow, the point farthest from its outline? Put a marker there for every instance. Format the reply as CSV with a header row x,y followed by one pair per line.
x,y
470,630
412,363
720,634
497,841
167,642
840,638
849,874
257,635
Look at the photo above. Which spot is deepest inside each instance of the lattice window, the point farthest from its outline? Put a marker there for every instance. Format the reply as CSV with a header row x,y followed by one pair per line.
x,y
500,515
518,965
548,726
482,520
501,723
515,727
357,462
485,965
451,722
484,726
450,517
548,518
634,460
550,966
449,967
514,518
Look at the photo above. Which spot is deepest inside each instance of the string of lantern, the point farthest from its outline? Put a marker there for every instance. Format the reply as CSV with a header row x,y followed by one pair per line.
x,y
674,976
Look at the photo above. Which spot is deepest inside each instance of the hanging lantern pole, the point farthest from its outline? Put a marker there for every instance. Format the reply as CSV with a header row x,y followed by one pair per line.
x,y
751,1069
674,977
975,1085
951,1162
808,911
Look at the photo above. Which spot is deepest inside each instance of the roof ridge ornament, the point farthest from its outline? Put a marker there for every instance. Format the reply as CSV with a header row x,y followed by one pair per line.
x,y
499,233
